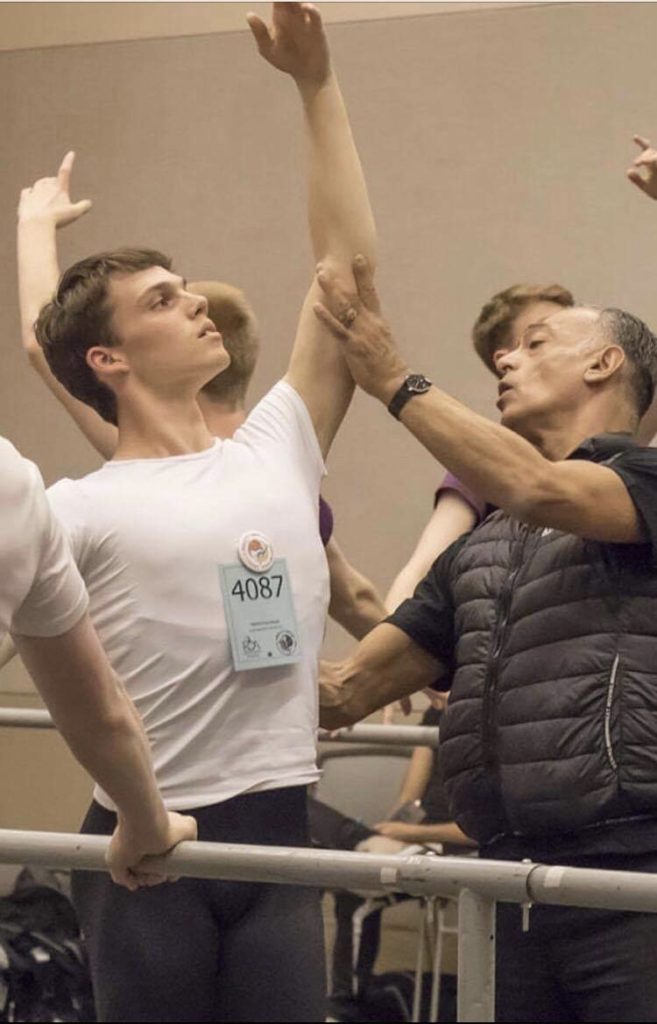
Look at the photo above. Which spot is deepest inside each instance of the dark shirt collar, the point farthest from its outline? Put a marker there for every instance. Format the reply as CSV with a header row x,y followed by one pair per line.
x,y
603,447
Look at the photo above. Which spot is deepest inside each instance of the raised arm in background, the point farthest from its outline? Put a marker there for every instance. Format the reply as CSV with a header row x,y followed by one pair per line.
x,y
42,210
643,172
355,602
340,217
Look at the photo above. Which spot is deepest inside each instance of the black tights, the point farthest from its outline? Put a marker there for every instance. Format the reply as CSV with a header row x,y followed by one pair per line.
x,y
202,950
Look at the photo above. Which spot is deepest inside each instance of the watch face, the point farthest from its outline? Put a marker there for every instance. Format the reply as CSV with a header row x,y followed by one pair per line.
x,y
417,383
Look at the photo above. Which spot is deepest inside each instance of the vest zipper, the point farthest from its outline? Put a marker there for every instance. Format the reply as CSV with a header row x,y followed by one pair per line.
x,y
611,686
490,759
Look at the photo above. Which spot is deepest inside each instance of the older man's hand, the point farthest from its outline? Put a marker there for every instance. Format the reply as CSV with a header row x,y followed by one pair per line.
x,y
337,707
354,318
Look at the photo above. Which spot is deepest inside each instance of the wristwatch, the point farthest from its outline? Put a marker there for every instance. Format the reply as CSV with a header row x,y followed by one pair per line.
x,y
415,384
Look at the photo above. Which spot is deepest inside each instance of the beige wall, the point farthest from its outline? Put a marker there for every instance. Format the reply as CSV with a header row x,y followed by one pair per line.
x,y
495,144
26,25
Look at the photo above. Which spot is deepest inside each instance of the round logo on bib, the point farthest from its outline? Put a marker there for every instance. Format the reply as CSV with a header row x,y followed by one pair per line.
x,y
255,551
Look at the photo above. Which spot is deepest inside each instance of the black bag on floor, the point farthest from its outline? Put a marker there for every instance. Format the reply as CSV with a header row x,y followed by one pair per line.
x,y
43,969
389,997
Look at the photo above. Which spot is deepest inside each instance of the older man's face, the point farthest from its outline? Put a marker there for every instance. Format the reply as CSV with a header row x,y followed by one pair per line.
x,y
543,378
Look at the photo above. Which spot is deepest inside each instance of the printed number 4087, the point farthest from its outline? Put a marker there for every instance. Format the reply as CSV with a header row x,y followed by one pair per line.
x,y
255,587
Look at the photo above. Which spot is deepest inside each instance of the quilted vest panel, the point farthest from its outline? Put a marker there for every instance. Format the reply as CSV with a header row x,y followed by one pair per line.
x,y
552,719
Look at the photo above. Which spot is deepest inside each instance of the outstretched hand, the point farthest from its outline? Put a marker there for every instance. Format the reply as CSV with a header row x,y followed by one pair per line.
x,y
295,43
354,319
643,171
49,198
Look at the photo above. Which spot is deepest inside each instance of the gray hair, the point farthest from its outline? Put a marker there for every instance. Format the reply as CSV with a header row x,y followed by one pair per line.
x,y
640,346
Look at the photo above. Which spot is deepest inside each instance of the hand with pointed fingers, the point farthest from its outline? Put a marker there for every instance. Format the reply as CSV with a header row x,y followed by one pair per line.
x,y
643,171
49,198
128,848
354,319
295,43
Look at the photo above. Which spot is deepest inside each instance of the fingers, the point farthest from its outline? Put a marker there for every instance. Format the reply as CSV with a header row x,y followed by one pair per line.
x,y
637,179
642,141
79,209
313,16
65,168
406,705
122,875
365,284
337,296
337,329
260,33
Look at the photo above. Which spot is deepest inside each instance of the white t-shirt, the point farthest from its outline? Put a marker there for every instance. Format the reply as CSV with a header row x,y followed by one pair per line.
x,y
148,536
41,591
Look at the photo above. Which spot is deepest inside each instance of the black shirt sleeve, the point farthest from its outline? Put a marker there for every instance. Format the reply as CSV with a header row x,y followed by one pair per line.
x,y
637,468
428,616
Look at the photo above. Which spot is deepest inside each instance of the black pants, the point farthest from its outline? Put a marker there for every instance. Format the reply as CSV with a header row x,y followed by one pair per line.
x,y
202,950
576,964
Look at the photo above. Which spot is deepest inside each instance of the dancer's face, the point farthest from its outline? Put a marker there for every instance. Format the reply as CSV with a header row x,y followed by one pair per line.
x,y
531,314
164,330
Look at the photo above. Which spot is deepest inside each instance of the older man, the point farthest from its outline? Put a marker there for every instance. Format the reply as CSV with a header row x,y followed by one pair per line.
x,y
545,618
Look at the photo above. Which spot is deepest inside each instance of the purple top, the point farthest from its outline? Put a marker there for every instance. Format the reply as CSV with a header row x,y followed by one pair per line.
x,y
451,483
325,521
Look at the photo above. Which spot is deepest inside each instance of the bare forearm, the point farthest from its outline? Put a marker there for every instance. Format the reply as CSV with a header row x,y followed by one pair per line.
x,y
385,667
38,272
96,718
341,221
355,602
451,517
495,463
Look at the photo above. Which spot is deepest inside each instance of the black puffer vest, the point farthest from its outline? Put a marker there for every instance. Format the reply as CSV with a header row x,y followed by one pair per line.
x,y
552,720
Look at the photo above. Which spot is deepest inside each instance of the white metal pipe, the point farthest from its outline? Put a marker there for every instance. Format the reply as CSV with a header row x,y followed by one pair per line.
x,y
476,975
393,735
418,875
405,735
26,718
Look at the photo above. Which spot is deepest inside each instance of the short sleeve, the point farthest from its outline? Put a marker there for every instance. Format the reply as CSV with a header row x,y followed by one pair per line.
x,y
57,598
428,617
452,483
280,428
637,468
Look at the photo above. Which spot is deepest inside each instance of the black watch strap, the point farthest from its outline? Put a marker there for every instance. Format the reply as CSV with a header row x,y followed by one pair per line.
x,y
415,384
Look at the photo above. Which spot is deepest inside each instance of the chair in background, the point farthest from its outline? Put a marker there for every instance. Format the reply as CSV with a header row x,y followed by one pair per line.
x,y
361,780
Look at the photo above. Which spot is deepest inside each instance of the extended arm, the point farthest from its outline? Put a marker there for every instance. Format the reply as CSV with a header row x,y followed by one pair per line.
x,y
386,666
643,173
578,497
355,602
98,722
44,208
340,217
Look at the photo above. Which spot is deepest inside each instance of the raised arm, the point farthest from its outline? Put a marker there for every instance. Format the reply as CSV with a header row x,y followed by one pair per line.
x,y
42,209
451,517
340,217
98,722
643,173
